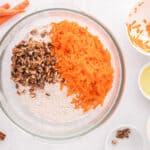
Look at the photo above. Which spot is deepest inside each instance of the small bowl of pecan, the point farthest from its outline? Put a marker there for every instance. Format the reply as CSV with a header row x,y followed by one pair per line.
x,y
125,137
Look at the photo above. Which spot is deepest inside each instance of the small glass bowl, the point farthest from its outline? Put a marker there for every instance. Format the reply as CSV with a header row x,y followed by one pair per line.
x,y
134,141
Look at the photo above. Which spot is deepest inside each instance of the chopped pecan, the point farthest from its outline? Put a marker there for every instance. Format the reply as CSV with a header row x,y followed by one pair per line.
x,y
33,64
2,136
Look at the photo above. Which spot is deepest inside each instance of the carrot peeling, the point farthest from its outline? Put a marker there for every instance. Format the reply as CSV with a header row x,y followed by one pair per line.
x,y
22,5
83,62
6,6
10,12
18,8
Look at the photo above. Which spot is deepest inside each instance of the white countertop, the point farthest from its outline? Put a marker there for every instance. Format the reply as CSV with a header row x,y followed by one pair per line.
x,y
134,109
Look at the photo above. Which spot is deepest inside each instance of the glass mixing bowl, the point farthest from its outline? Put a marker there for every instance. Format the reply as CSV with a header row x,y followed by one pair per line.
x,y
9,100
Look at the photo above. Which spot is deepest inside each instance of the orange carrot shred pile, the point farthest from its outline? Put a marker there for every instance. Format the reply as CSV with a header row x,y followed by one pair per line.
x,y
83,63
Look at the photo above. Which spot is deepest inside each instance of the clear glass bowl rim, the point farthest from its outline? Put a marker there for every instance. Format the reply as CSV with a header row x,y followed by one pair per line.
x,y
117,101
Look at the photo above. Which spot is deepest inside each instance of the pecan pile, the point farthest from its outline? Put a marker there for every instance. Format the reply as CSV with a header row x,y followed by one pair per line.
x,y
121,134
33,64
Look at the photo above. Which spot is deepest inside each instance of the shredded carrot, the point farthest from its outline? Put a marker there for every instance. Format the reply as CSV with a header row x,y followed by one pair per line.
x,y
135,10
84,64
141,3
21,6
148,29
145,21
6,6
136,40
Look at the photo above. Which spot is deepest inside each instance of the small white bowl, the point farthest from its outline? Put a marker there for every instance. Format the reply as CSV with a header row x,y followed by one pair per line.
x,y
138,49
138,13
134,142
139,84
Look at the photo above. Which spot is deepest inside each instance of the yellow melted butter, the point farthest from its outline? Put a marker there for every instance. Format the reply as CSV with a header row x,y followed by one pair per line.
x,y
145,80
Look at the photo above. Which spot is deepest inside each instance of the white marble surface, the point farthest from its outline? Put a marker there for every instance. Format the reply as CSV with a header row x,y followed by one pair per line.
x,y
134,109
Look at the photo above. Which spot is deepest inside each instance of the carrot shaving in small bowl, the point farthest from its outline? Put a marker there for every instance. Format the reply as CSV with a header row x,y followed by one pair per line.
x,y
148,29
84,64
136,39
